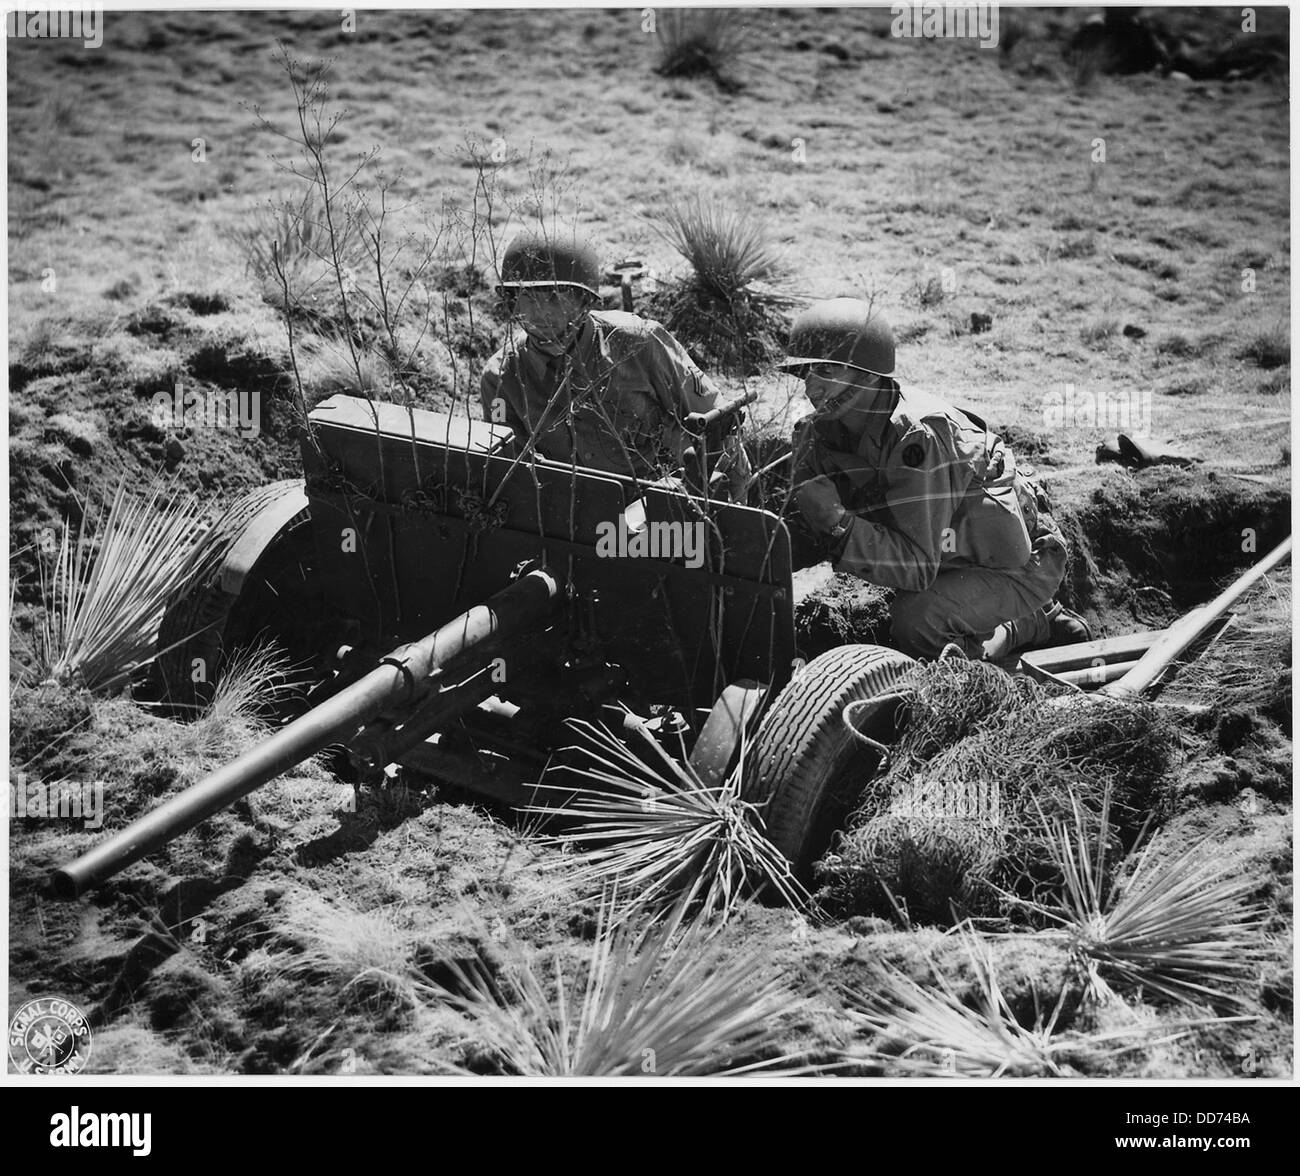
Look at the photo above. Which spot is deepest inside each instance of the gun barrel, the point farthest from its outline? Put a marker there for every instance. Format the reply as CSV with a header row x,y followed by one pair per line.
x,y
399,678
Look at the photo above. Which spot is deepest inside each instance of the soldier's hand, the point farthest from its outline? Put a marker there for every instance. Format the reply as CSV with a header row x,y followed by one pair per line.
x,y
819,503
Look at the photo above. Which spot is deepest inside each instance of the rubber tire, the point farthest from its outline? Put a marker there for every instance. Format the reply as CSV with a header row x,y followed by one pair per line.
x,y
210,623
806,769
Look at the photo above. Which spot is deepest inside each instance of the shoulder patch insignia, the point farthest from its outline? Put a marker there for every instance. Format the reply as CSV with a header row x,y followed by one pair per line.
x,y
913,455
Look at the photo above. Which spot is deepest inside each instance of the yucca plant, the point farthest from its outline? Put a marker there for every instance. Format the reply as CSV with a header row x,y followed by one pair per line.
x,y
933,1032
940,1035
666,1002
727,249
700,41
292,237
731,309
656,830
105,587
1180,927
1269,348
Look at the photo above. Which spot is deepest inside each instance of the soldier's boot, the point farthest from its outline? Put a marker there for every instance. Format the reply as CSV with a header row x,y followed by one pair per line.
x,y
1068,628
1053,624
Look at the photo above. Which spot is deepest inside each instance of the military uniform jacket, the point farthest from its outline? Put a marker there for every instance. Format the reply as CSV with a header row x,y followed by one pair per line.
x,y
932,489
615,401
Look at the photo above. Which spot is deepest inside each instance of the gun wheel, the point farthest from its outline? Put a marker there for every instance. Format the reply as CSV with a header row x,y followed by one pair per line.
x,y
806,768
263,592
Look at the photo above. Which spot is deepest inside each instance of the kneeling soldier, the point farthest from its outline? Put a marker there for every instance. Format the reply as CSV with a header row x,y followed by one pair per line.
x,y
598,388
911,493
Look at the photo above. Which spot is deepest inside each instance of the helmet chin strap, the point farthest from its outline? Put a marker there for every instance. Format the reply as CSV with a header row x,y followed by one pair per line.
x,y
549,347
560,346
838,391
856,401
834,402
869,408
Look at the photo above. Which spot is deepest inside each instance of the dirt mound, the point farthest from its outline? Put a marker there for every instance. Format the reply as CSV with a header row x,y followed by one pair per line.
x,y
1148,547
88,419
743,336
1196,43
832,610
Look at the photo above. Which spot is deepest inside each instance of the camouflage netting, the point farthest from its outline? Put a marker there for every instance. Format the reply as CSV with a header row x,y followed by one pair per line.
x,y
954,822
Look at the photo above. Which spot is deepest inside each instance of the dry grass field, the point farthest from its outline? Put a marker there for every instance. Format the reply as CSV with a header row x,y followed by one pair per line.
x,y
1128,235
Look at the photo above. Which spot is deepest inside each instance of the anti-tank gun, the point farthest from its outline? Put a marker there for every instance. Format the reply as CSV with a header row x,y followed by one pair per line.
x,y
458,603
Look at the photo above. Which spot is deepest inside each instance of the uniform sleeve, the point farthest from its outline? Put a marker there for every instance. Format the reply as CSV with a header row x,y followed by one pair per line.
x,y
807,547
803,461
900,545
679,385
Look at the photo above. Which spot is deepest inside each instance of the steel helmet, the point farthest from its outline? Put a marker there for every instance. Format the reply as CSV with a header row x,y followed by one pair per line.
x,y
534,259
841,330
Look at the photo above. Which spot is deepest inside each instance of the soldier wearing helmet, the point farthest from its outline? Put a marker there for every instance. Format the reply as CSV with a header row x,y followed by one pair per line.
x,y
911,493
602,389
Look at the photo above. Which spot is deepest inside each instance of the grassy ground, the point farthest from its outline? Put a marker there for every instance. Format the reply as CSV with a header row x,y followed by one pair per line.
x,y
936,178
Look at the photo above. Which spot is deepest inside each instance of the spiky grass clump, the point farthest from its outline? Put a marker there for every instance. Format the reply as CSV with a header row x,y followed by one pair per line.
x,y
367,954
953,823
1249,664
105,589
1180,927
663,1002
289,243
253,683
932,1032
700,42
727,309
727,249
1268,349
329,365
657,831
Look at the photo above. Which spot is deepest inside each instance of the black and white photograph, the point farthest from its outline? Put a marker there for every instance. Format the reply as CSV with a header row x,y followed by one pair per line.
x,y
661,543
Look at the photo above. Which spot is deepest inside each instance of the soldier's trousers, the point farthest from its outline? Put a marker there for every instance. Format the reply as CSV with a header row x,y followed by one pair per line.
x,y
965,605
